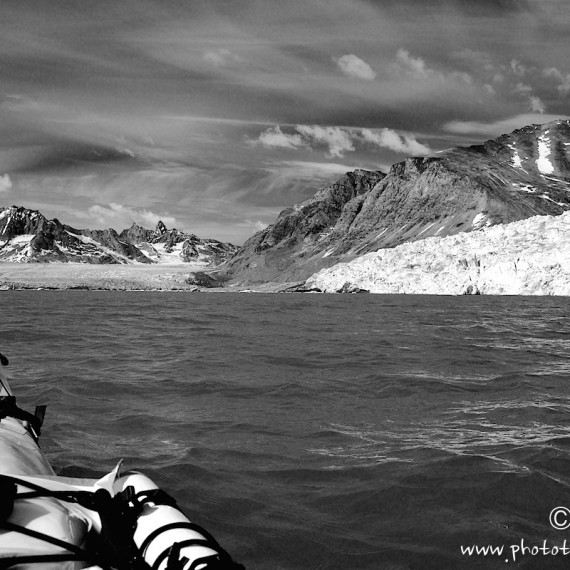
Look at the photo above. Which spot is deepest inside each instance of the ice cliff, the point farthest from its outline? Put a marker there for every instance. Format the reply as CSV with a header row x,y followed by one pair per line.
x,y
528,257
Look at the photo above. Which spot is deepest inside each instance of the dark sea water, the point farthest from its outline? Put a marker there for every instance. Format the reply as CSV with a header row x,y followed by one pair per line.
x,y
313,431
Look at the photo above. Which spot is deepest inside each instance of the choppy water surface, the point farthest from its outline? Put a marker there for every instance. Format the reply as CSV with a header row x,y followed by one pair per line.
x,y
312,431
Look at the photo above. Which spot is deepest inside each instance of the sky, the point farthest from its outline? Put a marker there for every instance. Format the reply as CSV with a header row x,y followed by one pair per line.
x,y
215,115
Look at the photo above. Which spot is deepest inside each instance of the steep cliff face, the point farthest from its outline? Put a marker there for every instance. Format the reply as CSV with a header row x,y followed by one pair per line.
x,y
523,174
292,248
27,236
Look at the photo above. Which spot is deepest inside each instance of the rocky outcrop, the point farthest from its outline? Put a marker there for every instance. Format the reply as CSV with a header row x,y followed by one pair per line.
x,y
110,239
137,234
514,177
27,236
528,257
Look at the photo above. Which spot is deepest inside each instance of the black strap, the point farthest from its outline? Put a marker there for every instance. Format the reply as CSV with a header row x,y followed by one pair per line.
x,y
156,496
24,483
187,525
221,560
178,546
216,562
36,559
88,499
7,497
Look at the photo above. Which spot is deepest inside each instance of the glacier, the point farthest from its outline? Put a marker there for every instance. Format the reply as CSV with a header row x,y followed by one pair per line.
x,y
528,257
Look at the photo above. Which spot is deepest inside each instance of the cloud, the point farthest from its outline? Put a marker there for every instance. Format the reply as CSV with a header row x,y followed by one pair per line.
x,y
501,126
314,170
518,68
257,225
536,104
388,138
563,80
523,89
274,137
553,72
119,216
353,66
5,183
220,57
338,140
564,87
414,66
417,68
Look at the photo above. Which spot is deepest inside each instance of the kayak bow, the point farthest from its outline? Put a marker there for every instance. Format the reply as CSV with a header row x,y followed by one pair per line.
x,y
117,522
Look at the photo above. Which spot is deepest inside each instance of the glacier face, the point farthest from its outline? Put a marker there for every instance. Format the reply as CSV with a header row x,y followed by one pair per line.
x,y
528,257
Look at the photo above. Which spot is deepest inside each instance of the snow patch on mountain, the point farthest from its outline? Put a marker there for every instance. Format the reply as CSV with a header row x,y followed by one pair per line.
x,y
543,162
20,249
481,220
516,160
528,257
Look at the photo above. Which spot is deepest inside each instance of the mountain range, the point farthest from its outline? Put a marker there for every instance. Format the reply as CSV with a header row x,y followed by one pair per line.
x,y
460,190
465,189
28,236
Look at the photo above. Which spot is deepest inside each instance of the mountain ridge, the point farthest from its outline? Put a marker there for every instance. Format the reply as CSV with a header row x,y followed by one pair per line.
x,y
27,236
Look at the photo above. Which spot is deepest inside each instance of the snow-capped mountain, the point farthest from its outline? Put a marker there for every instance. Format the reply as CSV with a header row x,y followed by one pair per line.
x,y
172,246
28,236
514,177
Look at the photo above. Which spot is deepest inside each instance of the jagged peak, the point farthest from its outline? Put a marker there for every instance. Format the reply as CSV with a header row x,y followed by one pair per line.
x,y
160,228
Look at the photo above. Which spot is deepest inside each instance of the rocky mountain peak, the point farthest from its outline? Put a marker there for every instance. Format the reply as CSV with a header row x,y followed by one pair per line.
x,y
15,221
160,229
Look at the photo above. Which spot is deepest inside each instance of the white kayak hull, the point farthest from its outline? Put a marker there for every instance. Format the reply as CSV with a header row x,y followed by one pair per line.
x,y
160,533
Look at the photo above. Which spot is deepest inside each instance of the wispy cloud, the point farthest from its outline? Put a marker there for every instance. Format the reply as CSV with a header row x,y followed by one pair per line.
x,y
352,66
501,126
220,57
